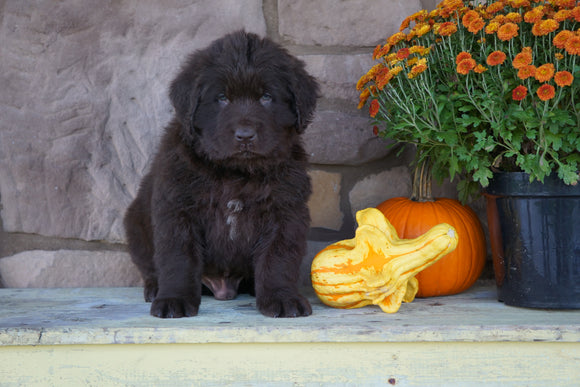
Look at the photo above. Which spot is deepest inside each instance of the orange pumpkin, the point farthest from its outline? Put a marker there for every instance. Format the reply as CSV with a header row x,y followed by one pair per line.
x,y
414,216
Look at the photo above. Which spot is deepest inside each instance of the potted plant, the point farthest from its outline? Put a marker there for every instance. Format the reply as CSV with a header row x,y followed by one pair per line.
x,y
487,91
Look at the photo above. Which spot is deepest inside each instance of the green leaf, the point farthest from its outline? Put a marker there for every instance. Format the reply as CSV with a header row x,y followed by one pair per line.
x,y
554,140
568,173
483,175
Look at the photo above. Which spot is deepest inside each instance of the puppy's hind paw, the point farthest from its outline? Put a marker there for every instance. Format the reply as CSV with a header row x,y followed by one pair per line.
x,y
293,306
150,290
174,307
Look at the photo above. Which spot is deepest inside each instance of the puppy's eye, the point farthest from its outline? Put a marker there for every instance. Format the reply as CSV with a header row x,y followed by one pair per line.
x,y
222,99
265,99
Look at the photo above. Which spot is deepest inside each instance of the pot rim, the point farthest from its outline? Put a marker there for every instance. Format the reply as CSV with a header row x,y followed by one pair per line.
x,y
518,184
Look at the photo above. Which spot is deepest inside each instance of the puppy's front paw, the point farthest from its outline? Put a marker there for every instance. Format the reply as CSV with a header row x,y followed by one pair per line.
x,y
174,307
288,306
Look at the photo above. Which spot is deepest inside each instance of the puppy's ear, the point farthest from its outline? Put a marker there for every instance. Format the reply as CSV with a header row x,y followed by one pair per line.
x,y
305,90
185,91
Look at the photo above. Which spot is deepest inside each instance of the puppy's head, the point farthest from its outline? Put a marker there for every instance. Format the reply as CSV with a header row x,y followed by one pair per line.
x,y
243,98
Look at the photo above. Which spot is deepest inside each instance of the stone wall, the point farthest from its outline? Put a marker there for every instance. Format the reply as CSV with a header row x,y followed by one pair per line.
x,y
83,100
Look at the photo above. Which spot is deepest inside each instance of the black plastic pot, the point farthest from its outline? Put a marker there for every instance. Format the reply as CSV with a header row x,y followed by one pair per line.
x,y
535,240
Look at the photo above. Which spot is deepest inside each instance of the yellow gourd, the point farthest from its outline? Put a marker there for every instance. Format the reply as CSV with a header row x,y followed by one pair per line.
x,y
376,267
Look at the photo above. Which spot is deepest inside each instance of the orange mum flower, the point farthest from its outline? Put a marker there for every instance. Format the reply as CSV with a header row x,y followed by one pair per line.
x,y
546,92
563,78
507,31
479,69
519,3
469,17
492,28
573,45
494,7
519,93
392,59
465,66
521,60
396,70
375,69
418,68
364,96
562,37
363,81
545,72
403,53
461,56
535,15
381,51
447,7
562,15
405,23
476,26
544,27
374,108
376,51
412,61
576,13
420,30
396,38
565,3
447,29
513,17
527,72
496,58
383,78
500,19
418,50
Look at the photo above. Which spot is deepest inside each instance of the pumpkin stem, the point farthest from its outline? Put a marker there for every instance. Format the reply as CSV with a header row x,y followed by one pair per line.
x,y
421,186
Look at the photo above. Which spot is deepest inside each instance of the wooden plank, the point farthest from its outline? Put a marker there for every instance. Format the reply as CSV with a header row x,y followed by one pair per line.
x,y
294,364
120,316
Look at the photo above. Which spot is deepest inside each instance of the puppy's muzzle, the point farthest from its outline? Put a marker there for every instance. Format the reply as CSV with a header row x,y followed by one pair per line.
x,y
245,137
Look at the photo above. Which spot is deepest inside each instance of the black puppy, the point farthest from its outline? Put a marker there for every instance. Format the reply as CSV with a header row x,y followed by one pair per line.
x,y
224,203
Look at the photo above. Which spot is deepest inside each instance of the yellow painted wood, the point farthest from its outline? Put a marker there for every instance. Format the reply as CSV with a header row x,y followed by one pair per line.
x,y
291,364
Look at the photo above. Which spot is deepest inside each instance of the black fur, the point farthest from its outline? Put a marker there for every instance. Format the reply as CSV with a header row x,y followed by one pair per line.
x,y
224,203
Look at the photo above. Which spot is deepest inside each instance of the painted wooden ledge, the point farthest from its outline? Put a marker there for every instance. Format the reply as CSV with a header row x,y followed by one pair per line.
x,y
106,337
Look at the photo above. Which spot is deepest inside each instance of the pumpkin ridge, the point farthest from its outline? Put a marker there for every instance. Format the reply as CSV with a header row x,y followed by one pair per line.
x,y
470,221
450,211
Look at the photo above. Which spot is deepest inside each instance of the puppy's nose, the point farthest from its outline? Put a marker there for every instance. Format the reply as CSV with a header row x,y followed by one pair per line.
x,y
245,134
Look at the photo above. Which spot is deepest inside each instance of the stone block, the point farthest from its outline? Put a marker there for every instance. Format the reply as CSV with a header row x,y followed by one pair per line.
x,y
342,23
68,269
89,269
338,74
375,189
340,138
324,203
83,100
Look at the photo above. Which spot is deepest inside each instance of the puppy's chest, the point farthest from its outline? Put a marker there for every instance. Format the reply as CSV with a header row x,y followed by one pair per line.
x,y
234,218
239,218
